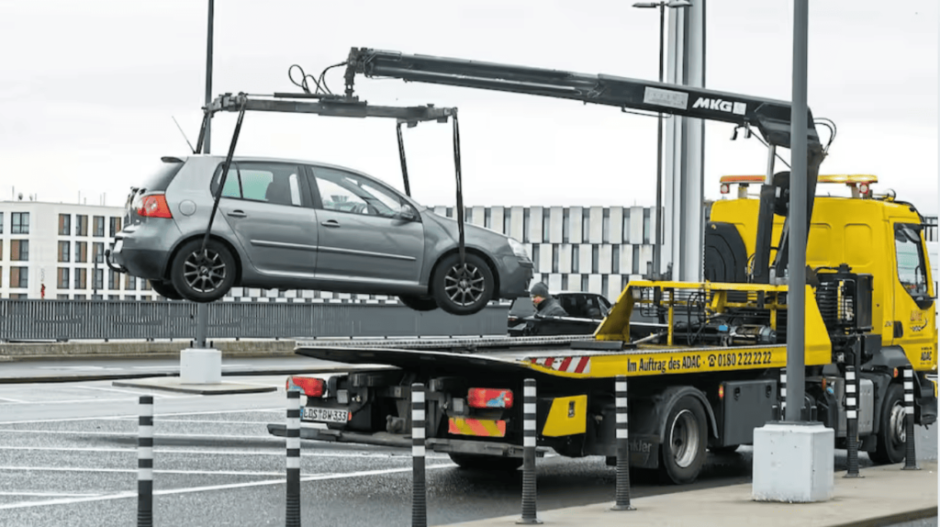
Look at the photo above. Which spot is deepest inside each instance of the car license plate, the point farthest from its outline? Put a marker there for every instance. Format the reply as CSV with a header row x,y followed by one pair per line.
x,y
325,415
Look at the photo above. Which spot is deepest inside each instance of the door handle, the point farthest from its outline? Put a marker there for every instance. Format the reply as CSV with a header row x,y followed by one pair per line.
x,y
238,214
330,223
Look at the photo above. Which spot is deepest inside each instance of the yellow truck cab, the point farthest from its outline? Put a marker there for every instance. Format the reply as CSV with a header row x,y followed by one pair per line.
x,y
872,233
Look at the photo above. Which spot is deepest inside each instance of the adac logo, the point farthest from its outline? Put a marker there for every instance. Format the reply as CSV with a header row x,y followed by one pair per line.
x,y
738,108
917,321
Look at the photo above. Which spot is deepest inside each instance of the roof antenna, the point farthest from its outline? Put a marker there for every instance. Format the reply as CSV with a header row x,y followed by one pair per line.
x,y
184,135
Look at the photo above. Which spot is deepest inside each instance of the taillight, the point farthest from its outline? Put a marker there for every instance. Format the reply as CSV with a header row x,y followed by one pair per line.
x,y
489,398
154,206
311,386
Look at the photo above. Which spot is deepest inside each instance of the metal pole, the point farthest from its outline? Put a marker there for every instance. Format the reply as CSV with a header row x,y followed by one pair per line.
x,y
657,243
529,434
796,291
145,463
202,310
851,417
293,459
910,456
419,499
771,159
623,447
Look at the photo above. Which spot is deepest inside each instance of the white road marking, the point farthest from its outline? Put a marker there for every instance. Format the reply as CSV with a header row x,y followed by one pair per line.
x,y
306,453
49,494
122,495
134,417
134,471
93,400
134,434
19,401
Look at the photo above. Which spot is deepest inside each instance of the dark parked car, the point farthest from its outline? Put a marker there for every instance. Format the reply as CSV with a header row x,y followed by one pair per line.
x,y
289,224
585,312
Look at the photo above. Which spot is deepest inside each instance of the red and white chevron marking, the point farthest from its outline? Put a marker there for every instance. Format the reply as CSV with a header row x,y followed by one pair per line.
x,y
565,364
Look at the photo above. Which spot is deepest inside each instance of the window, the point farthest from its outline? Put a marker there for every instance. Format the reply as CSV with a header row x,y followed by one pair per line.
x,y
273,183
615,260
65,224
81,225
115,226
1,249
626,226
99,227
62,296
585,225
605,227
467,215
564,282
565,225
19,250
1,223
546,224
605,284
65,251
450,212
19,223
555,258
19,277
575,258
114,280
911,265
99,252
636,259
507,221
624,282
97,297
18,296
80,279
525,225
646,225
346,192
488,218
585,284
63,281
79,297
145,285
129,283
99,279
595,258
535,256
81,252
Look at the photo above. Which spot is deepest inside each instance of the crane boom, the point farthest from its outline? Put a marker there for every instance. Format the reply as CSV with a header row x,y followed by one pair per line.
x,y
772,118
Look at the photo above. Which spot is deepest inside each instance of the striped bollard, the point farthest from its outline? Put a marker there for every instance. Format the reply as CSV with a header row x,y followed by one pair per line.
x,y
851,418
623,448
783,393
293,459
419,505
910,456
145,463
529,508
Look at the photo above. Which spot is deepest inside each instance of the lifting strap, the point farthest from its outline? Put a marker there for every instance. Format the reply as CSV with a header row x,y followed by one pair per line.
x,y
459,177
401,157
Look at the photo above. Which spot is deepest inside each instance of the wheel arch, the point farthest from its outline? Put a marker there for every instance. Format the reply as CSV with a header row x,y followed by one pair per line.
x,y
182,241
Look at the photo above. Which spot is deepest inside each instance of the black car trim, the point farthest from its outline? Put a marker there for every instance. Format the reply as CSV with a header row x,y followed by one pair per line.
x,y
284,245
367,253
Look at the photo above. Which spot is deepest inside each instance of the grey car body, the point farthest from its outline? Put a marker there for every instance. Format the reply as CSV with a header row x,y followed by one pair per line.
x,y
315,241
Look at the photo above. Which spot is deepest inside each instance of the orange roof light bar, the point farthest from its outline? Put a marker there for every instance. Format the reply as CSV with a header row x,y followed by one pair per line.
x,y
849,179
742,179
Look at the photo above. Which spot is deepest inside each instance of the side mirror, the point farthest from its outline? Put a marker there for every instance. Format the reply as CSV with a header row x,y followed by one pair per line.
x,y
407,214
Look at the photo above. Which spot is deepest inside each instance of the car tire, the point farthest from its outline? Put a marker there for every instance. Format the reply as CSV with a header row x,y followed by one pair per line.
x,y
203,289
480,462
466,299
892,434
166,290
419,303
682,453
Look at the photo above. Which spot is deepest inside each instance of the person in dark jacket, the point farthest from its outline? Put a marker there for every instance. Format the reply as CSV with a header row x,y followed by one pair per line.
x,y
545,304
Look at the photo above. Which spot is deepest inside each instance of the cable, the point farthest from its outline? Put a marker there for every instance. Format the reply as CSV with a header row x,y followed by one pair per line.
x,y
303,83
322,80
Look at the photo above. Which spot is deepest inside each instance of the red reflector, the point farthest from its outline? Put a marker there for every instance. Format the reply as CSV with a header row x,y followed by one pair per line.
x,y
154,206
489,398
721,391
311,386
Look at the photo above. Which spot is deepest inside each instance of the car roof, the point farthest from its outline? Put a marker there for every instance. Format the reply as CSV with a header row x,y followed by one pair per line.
x,y
290,160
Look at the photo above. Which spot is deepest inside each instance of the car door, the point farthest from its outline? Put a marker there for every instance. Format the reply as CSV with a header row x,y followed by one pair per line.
x,y
364,237
265,205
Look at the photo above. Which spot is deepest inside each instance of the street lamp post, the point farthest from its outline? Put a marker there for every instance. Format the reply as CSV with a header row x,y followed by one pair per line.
x,y
202,310
657,243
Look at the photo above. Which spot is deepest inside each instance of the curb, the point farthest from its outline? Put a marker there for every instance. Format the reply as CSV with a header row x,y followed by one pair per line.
x,y
199,391
891,519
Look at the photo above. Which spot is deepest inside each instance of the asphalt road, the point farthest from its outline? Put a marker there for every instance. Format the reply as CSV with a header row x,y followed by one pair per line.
x,y
68,457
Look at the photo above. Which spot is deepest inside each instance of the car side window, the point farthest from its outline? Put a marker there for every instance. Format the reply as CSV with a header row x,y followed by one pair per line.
x,y
274,183
346,192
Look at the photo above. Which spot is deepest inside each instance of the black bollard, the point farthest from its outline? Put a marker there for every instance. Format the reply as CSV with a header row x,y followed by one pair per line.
x,y
623,447
145,463
529,419
910,456
293,459
419,508
851,421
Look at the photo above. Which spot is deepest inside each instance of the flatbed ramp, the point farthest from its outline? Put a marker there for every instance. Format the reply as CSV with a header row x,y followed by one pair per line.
x,y
576,357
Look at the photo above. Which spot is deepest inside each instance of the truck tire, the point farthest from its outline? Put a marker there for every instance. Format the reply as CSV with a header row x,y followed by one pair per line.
x,y
892,433
478,462
682,453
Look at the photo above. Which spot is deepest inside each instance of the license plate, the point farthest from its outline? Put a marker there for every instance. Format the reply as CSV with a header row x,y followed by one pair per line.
x,y
325,415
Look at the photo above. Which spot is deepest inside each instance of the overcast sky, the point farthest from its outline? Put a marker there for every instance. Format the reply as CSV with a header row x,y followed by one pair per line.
x,y
88,91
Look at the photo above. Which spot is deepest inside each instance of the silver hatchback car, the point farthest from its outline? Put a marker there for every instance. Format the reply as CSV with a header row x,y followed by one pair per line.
x,y
288,224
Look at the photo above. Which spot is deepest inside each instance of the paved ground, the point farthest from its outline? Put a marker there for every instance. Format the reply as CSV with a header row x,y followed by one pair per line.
x,y
68,456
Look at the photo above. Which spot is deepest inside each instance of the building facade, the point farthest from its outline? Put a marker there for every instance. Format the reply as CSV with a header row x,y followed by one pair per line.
x,y
61,246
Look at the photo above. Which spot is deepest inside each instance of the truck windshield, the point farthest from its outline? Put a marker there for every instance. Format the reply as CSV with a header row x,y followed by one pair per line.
x,y
911,265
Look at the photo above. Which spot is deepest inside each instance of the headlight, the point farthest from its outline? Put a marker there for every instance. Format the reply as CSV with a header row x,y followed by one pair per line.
x,y
518,249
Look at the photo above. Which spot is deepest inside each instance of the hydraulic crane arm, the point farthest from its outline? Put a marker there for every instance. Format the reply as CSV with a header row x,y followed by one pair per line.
x,y
772,118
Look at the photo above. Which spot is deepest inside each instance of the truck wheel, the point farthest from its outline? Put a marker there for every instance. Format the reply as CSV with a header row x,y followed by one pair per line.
x,y
463,290
892,433
682,454
478,462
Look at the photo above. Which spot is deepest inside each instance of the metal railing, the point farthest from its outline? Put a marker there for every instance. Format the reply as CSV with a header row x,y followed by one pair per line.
x,y
122,320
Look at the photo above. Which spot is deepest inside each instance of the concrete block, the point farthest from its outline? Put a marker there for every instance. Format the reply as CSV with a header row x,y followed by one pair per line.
x,y
793,463
200,366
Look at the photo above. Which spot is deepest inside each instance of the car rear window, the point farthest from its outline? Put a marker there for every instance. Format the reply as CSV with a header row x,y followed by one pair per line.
x,y
160,179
